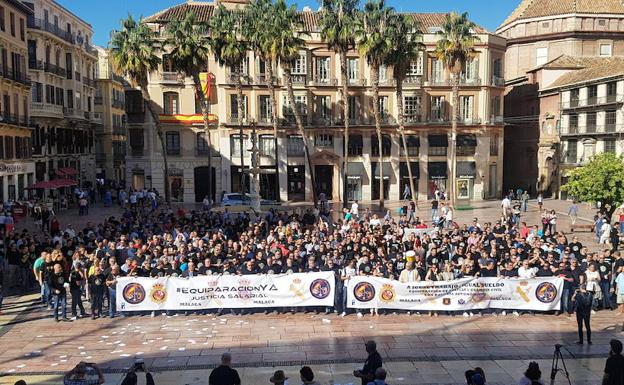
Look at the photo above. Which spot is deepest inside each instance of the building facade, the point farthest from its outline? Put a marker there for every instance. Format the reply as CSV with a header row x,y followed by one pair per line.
x,y
285,174
16,166
110,121
539,32
62,65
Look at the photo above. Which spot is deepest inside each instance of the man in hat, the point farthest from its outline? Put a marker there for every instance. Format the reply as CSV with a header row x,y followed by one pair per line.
x,y
278,378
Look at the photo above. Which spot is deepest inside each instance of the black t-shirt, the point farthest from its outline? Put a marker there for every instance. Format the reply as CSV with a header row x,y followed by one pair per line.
x,y
97,282
509,273
576,247
224,375
614,368
75,280
370,366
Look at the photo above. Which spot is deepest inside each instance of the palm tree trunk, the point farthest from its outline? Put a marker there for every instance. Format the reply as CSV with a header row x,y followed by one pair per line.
x,y
204,109
239,108
273,96
291,96
345,109
377,115
399,97
152,110
453,155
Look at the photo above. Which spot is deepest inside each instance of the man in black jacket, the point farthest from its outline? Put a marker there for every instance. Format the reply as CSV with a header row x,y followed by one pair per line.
x,y
367,374
58,283
582,299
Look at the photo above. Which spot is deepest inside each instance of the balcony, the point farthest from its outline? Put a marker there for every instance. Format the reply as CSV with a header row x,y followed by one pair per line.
x,y
498,81
469,121
497,119
299,79
34,64
120,104
386,119
263,80
88,82
14,119
412,80
54,69
97,117
437,82
265,121
440,121
324,82
35,23
244,78
46,110
90,49
470,82
16,76
233,120
593,129
357,82
387,83
87,115
412,118
322,121
172,78
592,101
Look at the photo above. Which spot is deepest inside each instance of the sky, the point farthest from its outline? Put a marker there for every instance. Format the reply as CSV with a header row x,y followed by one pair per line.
x,y
104,15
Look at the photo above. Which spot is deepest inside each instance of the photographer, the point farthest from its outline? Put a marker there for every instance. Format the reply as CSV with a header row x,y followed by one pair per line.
x,y
131,377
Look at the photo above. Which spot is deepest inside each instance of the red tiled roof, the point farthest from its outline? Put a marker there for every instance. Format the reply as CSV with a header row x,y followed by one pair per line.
x,y
597,68
528,9
204,10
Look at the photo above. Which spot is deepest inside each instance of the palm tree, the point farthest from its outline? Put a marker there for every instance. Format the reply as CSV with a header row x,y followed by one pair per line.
x,y
264,40
374,41
406,49
289,25
189,50
133,51
454,48
230,50
338,25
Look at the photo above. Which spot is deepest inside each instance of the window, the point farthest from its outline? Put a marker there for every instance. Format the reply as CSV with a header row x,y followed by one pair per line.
x,y
610,118
12,23
590,122
172,142
170,103
495,107
295,146
324,140
22,30
573,124
592,94
353,107
383,73
611,92
386,145
301,102
234,108
437,145
609,145
69,65
353,69
383,106
466,144
465,108
322,69
416,67
202,144
2,27
541,56
602,22
494,145
605,50
356,145
235,145
572,155
300,65
266,109
266,145
413,145
167,64
437,71
437,108
324,107
50,94
411,109
471,70
70,99
574,97
498,68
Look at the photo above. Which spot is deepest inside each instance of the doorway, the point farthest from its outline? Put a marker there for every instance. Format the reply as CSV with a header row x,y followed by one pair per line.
x,y
324,180
201,183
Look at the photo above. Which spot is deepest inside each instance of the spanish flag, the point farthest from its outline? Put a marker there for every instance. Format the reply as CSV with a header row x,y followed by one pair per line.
x,y
207,82
187,119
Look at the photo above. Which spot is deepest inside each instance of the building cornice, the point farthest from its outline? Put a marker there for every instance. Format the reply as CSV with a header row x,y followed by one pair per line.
x,y
567,35
513,24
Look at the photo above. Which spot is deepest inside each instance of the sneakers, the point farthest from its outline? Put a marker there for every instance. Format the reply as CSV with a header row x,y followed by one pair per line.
x,y
471,314
344,313
465,314
593,312
409,313
153,314
359,314
503,313
516,313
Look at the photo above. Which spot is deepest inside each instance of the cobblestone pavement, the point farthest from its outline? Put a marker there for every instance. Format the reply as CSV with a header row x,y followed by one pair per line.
x,y
418,350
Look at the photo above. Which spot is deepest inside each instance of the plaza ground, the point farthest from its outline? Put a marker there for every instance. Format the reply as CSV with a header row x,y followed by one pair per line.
x,y
417,350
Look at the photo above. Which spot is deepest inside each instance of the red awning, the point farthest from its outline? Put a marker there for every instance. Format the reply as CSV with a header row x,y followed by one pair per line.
x,y
44,184
58,183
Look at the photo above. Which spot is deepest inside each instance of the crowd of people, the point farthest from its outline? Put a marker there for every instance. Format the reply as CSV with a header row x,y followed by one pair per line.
x,y
151,241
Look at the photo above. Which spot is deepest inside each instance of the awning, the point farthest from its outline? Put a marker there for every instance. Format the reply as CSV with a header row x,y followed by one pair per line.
x,y
58,183
387,170
438,141
355,169
466,170
437,170
65,171
466,140
41,185
415,170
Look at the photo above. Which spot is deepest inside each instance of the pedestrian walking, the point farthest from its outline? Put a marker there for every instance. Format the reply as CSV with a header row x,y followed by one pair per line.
x,y
573,212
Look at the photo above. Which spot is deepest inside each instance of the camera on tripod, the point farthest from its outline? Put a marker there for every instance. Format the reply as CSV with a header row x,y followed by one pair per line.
x,y
558,356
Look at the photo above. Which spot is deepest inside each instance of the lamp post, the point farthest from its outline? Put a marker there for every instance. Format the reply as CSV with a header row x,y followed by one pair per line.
x,y
254,171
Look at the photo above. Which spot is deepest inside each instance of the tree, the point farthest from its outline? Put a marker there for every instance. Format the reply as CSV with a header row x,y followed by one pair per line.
x,y
227,28
133,51
600,180
189,47
289,25
406,49
264,38
454,48
338,24
374,41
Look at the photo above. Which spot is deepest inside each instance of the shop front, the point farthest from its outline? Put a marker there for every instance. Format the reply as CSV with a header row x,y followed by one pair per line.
x,y
437,178
404,177
387,178
355,179
15,178
466,174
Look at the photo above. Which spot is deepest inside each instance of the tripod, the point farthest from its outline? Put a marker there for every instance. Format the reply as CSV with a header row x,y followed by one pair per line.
x,y
557,356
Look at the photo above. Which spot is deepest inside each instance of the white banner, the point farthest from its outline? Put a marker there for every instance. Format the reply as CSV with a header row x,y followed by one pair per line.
x,y
459,295
226,291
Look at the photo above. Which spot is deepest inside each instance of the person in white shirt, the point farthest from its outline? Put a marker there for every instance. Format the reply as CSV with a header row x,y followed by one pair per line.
x,y
525,271
409,274
355,209
605,232
506,207
375,221
449,217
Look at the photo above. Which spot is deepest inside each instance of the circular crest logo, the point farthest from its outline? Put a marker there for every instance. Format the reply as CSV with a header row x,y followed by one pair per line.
x,y
134,293
158,293
364,291
479,296
546,292
319,288
387,293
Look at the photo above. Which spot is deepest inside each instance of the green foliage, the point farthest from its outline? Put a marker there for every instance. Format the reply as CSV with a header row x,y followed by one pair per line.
x,y
456,43
601,180
133,50
406,46
373,35
226,36
188,43
338,24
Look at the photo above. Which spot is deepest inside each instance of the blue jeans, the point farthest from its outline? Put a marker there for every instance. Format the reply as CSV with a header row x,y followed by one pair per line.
x,y
605,286
344,298
525,206
434,214
45,293
565,300
60,301
112,304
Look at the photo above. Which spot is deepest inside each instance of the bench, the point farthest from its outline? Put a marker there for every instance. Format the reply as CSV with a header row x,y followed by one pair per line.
x,y
588,227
